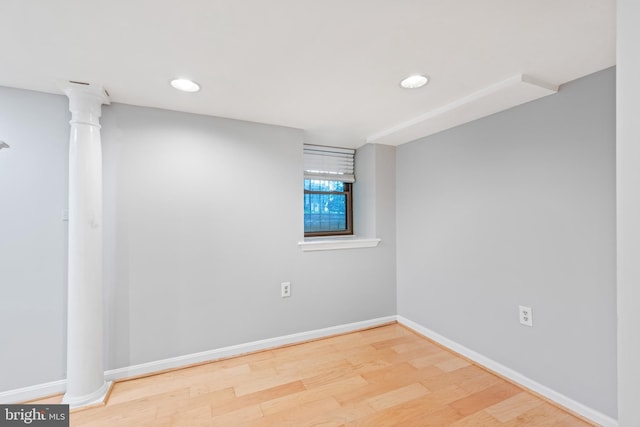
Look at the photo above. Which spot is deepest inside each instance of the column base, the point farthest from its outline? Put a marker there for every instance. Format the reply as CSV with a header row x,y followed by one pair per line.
x,y
98,397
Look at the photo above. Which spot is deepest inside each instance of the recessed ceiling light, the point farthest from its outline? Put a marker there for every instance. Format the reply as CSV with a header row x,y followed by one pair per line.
x,y
185,85
414,82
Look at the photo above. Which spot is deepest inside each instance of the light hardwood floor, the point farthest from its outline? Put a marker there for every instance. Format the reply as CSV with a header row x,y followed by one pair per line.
x,y
386,376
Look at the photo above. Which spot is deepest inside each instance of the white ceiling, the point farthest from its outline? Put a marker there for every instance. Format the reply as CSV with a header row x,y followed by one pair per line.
x,y
330,67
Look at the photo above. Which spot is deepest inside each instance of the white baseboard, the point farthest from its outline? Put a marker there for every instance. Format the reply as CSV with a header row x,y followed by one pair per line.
x,y
42,390
236,350
516,377
33,392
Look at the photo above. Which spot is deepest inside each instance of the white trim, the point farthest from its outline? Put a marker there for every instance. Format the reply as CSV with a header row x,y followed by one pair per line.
x,y
32,392
97,397
516,377
236,350
337,243
39,391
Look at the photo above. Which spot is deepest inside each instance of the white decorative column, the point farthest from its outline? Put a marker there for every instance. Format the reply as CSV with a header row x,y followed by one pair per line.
x,y
85,335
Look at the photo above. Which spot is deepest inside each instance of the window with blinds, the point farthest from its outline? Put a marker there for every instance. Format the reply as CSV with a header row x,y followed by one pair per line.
x,y
328,179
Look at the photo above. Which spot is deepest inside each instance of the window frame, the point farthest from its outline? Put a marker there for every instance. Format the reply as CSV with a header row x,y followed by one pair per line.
x,y
348,192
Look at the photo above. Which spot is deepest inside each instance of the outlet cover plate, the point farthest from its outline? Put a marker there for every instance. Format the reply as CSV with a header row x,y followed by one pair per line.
x,y
526,315
285,289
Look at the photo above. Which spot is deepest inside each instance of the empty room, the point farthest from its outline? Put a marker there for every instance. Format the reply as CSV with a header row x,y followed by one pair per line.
x,y
297,213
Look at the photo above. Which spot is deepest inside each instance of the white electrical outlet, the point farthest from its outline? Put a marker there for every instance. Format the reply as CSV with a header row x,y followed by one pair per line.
x,y
526,315
285,289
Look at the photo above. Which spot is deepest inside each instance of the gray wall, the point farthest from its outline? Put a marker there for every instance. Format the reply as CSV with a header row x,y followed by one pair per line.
x,y
202,220
519,208
375,193
33,237
628,210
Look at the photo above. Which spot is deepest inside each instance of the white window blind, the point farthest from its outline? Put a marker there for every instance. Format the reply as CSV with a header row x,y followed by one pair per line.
x,y
328,163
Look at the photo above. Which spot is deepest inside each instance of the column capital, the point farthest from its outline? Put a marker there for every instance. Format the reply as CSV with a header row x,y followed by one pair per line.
x,y
85,101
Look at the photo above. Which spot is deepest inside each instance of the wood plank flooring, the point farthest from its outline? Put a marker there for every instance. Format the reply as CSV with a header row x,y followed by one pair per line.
x,y
386,376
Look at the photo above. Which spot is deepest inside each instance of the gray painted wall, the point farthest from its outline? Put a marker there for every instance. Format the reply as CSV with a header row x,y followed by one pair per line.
x,y
519,208
628,209
364,195
202,220
33,237
375,193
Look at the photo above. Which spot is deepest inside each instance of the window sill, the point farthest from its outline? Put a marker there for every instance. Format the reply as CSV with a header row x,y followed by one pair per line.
x,y
335,243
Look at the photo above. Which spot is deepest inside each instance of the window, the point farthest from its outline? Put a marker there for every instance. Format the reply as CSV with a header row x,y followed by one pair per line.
x,y
328,182
327,208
